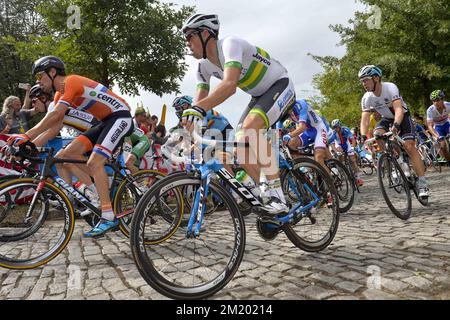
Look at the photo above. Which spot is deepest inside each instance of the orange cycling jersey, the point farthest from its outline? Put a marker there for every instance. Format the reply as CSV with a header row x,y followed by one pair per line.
x,y
89,96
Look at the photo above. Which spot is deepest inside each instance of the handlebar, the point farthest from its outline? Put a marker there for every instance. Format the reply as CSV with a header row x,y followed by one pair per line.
x,y
386,136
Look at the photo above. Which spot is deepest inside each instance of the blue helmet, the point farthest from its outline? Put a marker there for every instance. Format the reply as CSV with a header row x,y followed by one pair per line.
x,y
369,71
336,123
179,102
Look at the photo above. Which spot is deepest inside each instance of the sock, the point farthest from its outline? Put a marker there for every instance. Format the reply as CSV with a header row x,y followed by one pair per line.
x,y
423,181
275,190
108,213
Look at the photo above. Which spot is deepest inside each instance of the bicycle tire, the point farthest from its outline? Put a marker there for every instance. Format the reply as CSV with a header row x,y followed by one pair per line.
x,y
404,185
126,187
147,268
346,199
48,190
297,238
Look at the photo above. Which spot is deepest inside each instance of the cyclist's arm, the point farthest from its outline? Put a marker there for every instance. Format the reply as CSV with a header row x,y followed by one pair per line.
x,y
365,120
430,124
398,109
200,94
301,127
44,137
223,91
51,120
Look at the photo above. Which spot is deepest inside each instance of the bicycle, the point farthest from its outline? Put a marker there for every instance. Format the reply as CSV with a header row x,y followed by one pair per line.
x,y
429,157
341,177
364,161
392,179
348,164
29,234
200,259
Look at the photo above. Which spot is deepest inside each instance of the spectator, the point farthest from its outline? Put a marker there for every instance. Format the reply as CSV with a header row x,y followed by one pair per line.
x,y
140,119
153,123
13,120
159,136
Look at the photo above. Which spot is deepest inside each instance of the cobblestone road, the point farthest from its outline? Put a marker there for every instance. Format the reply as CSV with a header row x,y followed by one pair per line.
x,y
374,256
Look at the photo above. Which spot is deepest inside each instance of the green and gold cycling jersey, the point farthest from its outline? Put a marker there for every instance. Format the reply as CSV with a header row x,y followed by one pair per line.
x,y
259,71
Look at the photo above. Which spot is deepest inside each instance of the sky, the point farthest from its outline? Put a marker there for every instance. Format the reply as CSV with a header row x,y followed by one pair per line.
x,y
287,29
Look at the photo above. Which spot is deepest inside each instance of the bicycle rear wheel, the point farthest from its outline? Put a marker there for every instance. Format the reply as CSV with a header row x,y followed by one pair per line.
x,y
128,195
315,229
37,228
394,187
184,267
342,183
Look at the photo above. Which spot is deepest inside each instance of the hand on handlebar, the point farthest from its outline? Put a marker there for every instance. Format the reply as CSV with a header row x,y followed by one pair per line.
x,y
18,139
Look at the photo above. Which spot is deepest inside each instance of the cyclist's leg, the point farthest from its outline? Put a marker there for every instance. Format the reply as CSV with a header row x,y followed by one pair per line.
x,y
74,151
262,113
408,134
320,139
443,131
116,128
130,163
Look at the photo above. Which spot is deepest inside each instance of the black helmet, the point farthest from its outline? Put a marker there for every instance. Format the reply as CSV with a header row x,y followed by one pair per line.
x,y
48,62
36,91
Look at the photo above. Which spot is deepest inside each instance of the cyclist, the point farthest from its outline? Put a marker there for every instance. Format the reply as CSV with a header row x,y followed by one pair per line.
x,y
113,112
309,128
438,120
214,123
342,138
385,98
240,64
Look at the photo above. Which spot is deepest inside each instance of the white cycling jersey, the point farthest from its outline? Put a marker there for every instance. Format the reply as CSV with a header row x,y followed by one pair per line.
x,y
383,103
259,71
438,118
76,119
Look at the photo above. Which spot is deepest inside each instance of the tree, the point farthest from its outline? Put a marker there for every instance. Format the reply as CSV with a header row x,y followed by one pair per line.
x,y
411,45
135,44
17,20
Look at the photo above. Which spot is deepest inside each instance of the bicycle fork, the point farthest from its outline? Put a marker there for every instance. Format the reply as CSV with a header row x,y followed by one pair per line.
x,y
198,209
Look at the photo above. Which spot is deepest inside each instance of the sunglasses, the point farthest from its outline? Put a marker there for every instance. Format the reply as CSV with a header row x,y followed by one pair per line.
x,y
189,35
39,75
436,100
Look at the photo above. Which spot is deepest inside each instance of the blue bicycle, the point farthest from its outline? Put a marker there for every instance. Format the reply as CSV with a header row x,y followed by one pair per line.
x,y
199,259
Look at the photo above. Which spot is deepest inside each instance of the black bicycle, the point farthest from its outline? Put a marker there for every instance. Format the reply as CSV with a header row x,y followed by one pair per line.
x,y
341,178
395,184
40,223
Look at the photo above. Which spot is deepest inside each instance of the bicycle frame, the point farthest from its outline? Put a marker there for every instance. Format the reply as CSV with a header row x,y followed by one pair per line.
x,y
215,167
47,172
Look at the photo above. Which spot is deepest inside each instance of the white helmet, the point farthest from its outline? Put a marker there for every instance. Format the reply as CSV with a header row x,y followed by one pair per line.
x,y
203,21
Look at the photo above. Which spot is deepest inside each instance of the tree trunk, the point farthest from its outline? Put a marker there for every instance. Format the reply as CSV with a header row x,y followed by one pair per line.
x,y
105,73
426,90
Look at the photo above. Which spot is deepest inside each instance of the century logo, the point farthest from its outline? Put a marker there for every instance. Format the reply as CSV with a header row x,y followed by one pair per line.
x,y
93,93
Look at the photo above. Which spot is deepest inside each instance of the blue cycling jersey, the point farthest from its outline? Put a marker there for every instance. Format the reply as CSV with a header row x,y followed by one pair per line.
x,y
215,120
421,133
303,112
343,138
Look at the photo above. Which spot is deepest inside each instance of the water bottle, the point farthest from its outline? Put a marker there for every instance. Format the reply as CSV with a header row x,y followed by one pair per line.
x,y
247,181
405,166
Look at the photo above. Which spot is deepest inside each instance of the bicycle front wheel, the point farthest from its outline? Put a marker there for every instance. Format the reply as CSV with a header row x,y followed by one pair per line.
x,y
37,227
314,230
394,187
188,267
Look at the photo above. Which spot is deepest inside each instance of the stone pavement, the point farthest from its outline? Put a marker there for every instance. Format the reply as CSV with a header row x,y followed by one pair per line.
x,y
373,256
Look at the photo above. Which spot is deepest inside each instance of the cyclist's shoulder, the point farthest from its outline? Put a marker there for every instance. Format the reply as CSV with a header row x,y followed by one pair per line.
x,y
231,41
